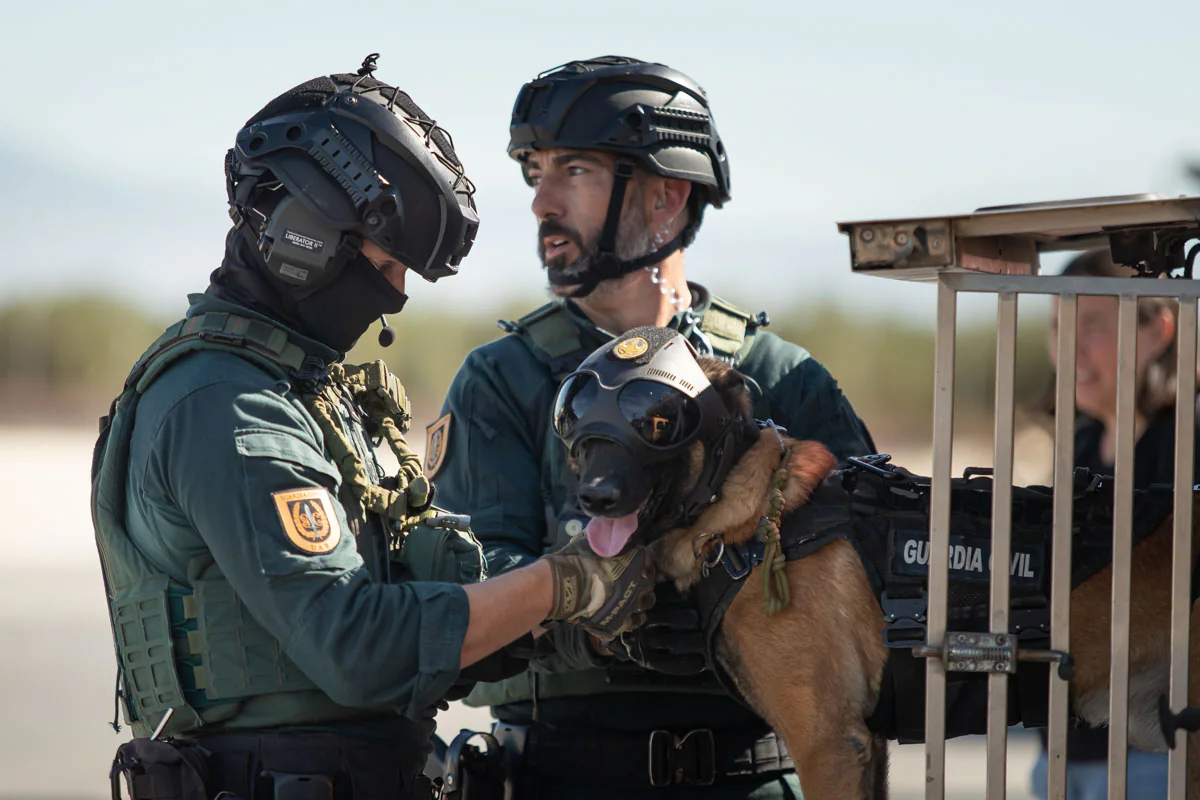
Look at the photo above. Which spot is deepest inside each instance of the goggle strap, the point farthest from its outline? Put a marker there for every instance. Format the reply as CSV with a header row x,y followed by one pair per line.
x,y
716,469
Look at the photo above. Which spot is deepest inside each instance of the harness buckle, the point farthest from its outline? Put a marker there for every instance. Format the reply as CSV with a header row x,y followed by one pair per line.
x,y
737,561
690,760
906,620
875,463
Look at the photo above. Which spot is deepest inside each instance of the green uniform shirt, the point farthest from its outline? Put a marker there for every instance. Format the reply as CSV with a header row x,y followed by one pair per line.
x,y
216,439
505,468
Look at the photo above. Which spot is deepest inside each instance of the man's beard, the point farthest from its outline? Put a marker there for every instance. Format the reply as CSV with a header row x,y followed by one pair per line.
x,y
633,241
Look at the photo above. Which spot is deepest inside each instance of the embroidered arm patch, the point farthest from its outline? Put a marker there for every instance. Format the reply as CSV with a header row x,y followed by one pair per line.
x,y
308,519
437,440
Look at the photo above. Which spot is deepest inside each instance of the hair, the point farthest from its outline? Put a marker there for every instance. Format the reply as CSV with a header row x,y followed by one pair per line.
x,y
1158,385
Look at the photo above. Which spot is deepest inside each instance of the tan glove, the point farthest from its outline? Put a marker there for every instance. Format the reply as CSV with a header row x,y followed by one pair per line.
x,y
604,596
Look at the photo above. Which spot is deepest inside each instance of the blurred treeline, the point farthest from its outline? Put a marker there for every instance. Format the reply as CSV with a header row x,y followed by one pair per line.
x,y
63,359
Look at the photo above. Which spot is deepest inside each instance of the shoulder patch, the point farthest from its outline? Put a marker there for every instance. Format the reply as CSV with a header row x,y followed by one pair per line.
x,y
308,519
437,441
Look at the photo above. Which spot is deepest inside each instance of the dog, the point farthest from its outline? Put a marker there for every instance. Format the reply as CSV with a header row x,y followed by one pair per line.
x,y
814,670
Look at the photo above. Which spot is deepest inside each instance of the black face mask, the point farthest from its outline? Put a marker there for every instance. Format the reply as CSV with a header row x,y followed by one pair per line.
x,y
335,315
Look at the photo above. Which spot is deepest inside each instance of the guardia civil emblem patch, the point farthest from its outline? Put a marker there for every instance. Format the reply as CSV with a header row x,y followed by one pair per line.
x,y
308,519
437,442
631,348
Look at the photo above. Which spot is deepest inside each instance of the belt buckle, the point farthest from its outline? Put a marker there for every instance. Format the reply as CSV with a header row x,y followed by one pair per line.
x,y
697,750
662,756
690,760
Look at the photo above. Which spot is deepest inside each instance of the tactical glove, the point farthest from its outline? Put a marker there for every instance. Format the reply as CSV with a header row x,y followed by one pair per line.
x,y
604,596
671,641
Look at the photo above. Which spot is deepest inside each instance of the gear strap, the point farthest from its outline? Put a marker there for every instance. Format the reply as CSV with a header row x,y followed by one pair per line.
x,y
255,340
381,397
776,592
623,170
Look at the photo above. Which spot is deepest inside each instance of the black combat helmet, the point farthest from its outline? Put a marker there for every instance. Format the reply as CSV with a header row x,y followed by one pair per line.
x,y
342,158
644,113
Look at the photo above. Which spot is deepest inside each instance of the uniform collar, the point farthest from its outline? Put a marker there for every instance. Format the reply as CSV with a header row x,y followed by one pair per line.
x,y
206,303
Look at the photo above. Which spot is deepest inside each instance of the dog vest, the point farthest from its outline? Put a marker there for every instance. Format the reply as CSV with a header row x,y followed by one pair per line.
x,y
884,514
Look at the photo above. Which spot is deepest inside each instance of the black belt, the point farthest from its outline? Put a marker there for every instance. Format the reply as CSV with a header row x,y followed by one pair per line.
x,y
698,757
256,763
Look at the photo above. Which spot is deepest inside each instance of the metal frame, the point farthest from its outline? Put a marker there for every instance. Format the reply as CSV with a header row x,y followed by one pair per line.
x,y
998,251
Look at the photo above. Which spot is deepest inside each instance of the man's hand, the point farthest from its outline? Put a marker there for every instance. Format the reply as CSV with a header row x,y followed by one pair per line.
x,y
604,596
671,641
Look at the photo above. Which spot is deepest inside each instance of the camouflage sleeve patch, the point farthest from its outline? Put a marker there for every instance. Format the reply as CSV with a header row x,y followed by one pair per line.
x,y
437,444
308,519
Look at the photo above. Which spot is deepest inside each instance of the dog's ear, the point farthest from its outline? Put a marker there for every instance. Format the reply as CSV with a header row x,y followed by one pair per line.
x,y
731,386
810,463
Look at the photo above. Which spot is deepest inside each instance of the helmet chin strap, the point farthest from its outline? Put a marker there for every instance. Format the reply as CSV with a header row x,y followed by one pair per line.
x,y
606,265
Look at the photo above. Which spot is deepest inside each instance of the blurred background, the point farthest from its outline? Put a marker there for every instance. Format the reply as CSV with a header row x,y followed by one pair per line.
x,y
116,118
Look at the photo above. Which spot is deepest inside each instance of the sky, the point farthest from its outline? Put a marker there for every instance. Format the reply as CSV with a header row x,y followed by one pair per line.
x,y
117,115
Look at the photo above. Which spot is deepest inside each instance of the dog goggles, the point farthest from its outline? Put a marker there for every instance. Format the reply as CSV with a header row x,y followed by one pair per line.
x,y
659,415
646,392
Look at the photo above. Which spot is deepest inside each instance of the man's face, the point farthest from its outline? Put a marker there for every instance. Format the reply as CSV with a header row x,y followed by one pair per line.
x,y
389,267
571,196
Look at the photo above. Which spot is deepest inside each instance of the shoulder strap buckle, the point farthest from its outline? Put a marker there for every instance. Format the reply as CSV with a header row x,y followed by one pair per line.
x,y
221,337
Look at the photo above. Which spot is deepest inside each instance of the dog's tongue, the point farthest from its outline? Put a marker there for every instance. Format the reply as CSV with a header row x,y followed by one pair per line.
x,y
608,536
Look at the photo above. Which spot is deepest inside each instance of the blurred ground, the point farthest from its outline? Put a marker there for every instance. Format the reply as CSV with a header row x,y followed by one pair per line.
x,y
56,658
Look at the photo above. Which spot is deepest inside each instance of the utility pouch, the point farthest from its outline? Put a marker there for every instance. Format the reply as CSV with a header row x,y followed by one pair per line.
x,y
160,770
441,547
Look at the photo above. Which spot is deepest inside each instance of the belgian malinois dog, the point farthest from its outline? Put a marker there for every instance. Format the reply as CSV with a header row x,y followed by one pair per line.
x,y
813,671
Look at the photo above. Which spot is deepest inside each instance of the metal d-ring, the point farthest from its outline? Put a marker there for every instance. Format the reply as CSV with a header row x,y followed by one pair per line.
x,y
713,558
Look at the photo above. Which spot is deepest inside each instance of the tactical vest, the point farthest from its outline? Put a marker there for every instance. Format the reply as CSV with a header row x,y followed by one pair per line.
x,y
196,646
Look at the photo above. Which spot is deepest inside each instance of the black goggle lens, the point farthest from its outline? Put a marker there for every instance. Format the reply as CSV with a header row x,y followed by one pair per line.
x,y
575,397
660,415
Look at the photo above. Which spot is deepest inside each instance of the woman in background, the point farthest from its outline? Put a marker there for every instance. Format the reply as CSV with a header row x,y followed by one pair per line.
x,y
1095,449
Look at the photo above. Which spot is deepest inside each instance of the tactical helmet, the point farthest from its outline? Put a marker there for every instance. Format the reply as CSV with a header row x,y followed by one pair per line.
x,y
340,159
644,113
646,391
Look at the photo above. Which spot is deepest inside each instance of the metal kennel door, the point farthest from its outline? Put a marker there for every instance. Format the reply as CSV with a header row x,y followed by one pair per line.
x,y
998,252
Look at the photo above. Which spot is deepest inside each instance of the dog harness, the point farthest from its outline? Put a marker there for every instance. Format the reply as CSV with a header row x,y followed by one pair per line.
x,y
884,513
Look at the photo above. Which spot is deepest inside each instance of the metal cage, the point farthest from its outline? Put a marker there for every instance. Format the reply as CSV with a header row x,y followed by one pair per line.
x,y
998,251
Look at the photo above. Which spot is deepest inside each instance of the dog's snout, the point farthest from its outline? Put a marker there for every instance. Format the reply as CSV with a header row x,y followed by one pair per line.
x,y
611,481
599,496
